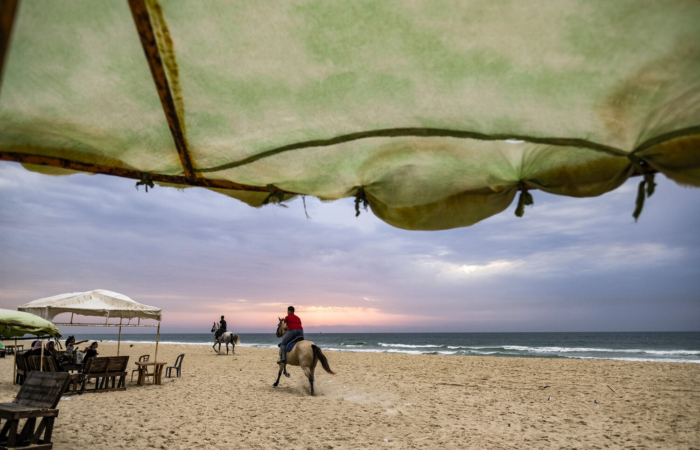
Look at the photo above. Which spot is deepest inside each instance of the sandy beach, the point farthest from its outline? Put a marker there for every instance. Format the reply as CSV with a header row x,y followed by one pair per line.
x,y
380,400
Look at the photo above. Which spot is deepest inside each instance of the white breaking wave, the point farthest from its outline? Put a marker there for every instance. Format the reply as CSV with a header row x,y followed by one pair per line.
x,y
642,355
153,343
410,352
670,360
603,350
470,348
409,346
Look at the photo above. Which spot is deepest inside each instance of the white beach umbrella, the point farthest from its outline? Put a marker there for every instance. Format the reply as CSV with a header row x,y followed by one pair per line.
x,y
96,303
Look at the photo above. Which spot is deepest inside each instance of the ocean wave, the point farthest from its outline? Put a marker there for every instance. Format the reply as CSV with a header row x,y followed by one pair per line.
x,y
469,347
670,360
409,352
600,353
673,352
598,350
152,342
409,346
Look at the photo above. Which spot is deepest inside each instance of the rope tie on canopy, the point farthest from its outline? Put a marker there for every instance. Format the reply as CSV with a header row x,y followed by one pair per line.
x,y
525,199
303,199
145,181
360,197
646,186
276,196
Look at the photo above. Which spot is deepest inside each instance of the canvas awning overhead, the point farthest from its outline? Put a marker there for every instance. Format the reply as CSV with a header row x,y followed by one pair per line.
x,y
17,323
99,303
435,113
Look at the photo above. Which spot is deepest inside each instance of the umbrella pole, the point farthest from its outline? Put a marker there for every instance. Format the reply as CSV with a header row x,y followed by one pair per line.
x,y
119,341
14,368
155,359
41,361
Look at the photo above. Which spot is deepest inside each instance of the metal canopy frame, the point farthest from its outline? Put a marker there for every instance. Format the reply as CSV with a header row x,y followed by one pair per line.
x,y
120,325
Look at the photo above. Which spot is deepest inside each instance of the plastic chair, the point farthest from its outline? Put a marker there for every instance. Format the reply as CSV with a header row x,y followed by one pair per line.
x,y
177,366
143,358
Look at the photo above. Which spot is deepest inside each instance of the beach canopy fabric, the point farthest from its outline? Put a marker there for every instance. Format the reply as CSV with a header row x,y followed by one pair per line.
x,y
436,113
17,323
99,303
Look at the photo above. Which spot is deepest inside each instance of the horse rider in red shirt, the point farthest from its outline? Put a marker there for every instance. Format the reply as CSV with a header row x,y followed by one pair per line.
x,y
294,330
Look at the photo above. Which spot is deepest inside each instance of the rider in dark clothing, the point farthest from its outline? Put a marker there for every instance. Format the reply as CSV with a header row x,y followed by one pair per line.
x,y
222,328
294,330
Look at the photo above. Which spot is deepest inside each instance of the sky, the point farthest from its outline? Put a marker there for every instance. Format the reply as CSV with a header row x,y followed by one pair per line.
x,y
568,265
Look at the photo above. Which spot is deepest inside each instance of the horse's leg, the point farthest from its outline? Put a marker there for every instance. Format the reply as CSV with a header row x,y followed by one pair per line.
x,y
227,347
312,378
279,374
310,375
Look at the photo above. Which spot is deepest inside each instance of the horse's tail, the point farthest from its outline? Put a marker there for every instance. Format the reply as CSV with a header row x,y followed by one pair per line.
x,y
234,338
318,354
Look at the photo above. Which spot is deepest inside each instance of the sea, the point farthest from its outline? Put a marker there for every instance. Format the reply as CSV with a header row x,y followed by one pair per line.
x,y
683,347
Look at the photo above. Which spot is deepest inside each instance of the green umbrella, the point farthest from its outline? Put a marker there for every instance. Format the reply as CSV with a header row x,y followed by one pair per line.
x,y
17,323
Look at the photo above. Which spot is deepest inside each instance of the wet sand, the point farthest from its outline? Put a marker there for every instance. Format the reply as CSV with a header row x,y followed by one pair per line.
x,y
380,400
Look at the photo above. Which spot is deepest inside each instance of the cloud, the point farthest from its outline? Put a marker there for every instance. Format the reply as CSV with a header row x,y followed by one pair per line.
x,y
462,271
198,254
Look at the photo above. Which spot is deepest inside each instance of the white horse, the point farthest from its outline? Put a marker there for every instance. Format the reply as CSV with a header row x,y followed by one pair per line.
x,y
225,338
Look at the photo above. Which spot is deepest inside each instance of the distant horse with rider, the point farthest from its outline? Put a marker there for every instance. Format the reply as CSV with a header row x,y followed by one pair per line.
x,y
224,338
305,354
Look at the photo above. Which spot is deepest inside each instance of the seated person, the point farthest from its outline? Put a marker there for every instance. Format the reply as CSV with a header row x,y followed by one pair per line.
x,y
51,349
90,352
35,351
71,344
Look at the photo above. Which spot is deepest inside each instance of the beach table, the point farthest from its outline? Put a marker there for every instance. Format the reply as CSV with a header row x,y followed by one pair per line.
x,y
71,367
75,378
11,349
157,371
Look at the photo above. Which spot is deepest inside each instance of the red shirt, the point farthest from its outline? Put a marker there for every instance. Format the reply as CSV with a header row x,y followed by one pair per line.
x,y
293,322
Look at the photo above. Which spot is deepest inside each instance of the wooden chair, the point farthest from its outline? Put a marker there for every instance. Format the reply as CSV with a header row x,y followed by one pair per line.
x,y
74,380
11,349
37,398
177,366
102,370
143,358
22,369
48,366
32,363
